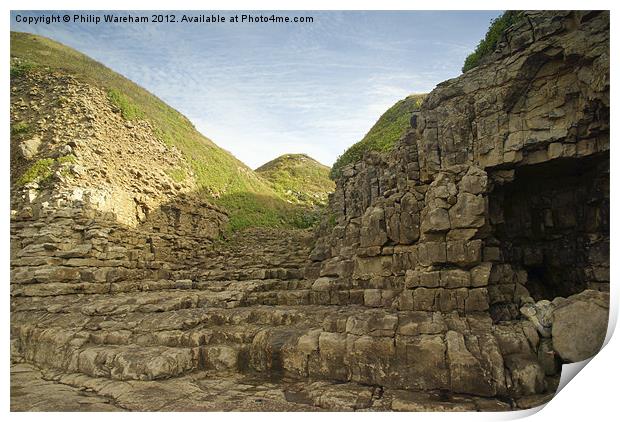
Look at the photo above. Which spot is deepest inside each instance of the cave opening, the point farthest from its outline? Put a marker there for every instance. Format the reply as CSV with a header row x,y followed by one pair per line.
x,y
552,220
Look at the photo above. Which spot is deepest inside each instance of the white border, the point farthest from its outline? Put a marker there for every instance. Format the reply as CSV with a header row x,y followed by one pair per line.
x,y
591,396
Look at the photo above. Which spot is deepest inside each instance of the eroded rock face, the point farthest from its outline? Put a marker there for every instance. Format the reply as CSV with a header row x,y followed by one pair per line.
x,y
500,194
542,96
98,158
413,286
109,216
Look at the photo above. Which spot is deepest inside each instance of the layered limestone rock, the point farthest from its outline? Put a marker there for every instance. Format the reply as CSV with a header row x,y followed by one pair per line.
x,y
500,194
95,207
409,297
544,96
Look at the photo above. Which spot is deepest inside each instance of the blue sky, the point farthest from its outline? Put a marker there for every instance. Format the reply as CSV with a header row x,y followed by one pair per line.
x,y
261,90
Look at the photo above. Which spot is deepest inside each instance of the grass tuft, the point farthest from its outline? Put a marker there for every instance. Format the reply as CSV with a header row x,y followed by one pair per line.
x,y
489,43
128,109
39,171
21,67
20,129
390,127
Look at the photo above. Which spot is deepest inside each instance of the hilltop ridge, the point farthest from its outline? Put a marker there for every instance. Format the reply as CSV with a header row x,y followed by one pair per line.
x,y
299,178
201,166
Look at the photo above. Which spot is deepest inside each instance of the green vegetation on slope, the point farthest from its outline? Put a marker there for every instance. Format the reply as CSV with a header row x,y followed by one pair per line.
x,y
383,135
218,173
129,110
20,129
299,178
19,67
487,45
41,170
247,209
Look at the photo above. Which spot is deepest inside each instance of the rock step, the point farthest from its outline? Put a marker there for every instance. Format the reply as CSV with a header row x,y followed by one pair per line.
x,y
338,343
46,390
221,390
149,285
24,275
293,292
217,294
98,289
285,259
252,273
41,309
128,362
103,337
151,345
301,297
152,311
201,335
261,256
250,285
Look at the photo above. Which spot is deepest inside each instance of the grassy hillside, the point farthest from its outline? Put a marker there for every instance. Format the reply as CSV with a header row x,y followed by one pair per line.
x,y
219,175
487,45
383,135
299,178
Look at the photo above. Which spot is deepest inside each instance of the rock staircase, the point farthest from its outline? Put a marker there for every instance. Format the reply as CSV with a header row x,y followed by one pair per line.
x,y
247,312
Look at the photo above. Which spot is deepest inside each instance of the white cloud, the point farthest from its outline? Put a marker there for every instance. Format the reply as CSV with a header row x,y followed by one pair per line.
x,y
262,91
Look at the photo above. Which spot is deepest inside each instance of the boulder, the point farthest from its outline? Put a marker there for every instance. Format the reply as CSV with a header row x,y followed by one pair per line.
x,y
30,147
580,325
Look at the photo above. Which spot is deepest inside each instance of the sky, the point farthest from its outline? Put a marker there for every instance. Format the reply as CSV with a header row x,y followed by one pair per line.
x,y
260,90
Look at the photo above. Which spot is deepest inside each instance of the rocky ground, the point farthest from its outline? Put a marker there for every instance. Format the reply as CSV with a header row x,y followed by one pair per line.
x,y
35,390
31,391
221,344
225,341
440,280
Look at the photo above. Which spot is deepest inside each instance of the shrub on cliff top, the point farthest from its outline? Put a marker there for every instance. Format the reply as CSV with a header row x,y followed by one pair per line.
x,y
487,45
383,135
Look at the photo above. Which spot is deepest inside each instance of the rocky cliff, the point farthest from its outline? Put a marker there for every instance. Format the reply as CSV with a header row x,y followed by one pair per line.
x,y
497,198
455,272
94,198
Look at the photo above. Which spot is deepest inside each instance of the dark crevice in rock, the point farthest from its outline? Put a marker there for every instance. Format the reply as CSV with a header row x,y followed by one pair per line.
x,y
553,222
